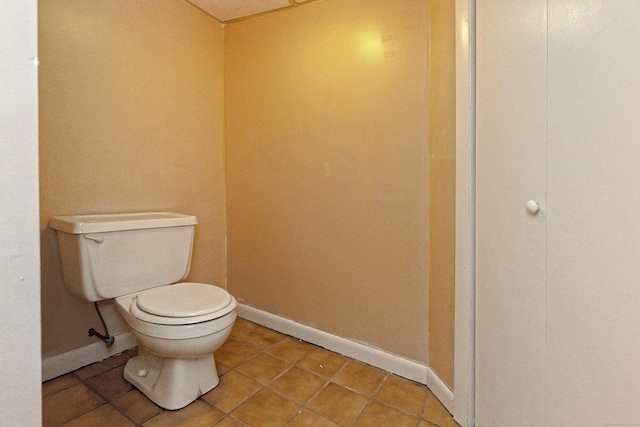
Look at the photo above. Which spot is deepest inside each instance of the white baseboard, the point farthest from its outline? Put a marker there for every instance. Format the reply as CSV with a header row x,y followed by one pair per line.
x,y
61,364
440,389
379,358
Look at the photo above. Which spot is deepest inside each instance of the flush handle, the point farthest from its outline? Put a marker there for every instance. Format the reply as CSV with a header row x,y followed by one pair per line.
x,y
97,239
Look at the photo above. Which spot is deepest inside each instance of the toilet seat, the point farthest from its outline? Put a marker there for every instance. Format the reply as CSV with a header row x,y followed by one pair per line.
x,y
183,303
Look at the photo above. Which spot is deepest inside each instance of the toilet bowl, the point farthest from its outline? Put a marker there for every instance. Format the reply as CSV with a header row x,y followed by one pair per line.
x,y
139,260
177,327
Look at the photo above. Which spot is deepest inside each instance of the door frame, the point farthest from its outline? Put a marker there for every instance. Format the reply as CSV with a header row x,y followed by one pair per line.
x,y
464,355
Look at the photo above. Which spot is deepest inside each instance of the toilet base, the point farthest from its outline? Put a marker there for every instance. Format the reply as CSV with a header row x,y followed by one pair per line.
x,y
171,383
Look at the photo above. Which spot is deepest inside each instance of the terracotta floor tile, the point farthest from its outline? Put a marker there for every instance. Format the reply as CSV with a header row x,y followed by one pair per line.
x,y
241,327
266,409
298,384
197,414
270,379
110,384
378,414
338,404
100,367
403,394
261,338
360,377
228,422
103,416
323,362
430,424
234,388
68,404
222,369
57,384
136,406
132,352
264,368
307,418
291,349
438,414
232,353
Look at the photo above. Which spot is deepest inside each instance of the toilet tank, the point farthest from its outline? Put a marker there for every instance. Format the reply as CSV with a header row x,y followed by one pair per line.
x,y
106,256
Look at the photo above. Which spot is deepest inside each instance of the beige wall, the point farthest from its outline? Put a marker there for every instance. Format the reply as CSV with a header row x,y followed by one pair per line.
x,y
328,168
131,119
442,153
340,164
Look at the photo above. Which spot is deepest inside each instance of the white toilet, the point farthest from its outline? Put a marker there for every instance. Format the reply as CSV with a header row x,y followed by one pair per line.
x,y
138,259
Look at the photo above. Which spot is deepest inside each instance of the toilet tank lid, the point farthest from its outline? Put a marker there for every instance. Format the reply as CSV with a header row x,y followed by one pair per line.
x,y
102,223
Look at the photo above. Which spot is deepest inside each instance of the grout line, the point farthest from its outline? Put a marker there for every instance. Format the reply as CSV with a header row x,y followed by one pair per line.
x,y
364,409
106,401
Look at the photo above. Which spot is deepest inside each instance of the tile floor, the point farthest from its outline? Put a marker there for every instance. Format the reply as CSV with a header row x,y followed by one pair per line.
x,y
266,379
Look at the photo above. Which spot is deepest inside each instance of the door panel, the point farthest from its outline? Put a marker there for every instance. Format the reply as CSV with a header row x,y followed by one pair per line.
x,y
511,168
593,232
558,293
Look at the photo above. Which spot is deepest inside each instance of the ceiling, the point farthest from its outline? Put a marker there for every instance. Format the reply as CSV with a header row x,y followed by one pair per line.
x,y
232,10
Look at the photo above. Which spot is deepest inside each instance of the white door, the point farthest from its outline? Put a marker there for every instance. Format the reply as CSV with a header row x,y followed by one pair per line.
x,y
510,242
558,292
593,231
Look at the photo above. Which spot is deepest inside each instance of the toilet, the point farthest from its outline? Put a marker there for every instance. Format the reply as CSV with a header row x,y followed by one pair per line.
x,y
139,260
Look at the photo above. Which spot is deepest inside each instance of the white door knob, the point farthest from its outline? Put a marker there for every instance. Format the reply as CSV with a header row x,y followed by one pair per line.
x,y
532,206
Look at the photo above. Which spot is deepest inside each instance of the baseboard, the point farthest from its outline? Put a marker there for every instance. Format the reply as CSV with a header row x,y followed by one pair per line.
x,y
61,364
440,389
379,358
